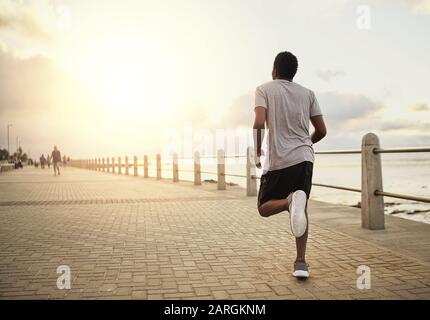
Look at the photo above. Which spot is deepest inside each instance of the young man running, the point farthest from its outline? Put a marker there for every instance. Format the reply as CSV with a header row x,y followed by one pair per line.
x,y
286,108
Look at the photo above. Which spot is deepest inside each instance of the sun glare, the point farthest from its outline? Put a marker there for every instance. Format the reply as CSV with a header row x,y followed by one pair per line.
x,y
128,80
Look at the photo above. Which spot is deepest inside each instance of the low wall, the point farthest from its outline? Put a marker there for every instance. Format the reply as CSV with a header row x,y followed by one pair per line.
x,y
6,167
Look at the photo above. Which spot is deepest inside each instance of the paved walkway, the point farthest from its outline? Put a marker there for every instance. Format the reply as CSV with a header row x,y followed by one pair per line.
x,y
126,237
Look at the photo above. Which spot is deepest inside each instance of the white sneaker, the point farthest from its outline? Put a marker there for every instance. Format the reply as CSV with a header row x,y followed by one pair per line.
x,y
301,270
296,207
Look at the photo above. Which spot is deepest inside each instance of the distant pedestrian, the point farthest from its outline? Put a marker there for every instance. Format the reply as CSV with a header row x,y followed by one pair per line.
x,y
64,161
42,161
56,160
48,160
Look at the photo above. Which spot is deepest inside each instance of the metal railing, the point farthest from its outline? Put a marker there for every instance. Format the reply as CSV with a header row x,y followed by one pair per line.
x,y
379,192
372,202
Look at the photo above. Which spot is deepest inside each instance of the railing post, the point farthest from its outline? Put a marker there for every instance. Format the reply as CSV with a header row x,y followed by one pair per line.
x,y
251,182
126,166
197,170
372,205
99,164
119,165
221,169
158,166
145,166
107,165
113,164
175,168
103,165
135,166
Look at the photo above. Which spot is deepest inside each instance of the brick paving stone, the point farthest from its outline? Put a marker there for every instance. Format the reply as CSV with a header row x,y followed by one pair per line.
x,y
128,238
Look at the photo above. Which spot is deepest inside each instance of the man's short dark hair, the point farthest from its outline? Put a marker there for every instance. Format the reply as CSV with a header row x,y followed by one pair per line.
x,y
286,65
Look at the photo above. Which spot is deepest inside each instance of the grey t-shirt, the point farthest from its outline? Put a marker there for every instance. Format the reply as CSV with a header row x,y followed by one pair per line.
x,y
289,109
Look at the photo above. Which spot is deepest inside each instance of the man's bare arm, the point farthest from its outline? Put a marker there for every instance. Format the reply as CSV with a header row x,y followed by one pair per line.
x,y
259,122
320,128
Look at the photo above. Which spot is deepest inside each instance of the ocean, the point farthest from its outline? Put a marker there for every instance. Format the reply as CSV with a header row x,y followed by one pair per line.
x,y
402,173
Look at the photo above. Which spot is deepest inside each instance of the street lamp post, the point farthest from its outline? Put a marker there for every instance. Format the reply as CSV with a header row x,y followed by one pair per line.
x,y
8,143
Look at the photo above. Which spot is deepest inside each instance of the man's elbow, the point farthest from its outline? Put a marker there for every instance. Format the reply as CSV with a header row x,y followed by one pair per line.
x,y
258,126
322,133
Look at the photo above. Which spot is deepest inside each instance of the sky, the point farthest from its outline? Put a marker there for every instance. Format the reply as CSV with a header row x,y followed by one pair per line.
x,y
101,78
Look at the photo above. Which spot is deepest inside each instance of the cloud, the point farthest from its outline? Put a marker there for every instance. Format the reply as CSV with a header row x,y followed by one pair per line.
x,y
42,101
240,112
342,107
421,7
328,75
341,110
418,107
393,125
409,125
37,85
26,84
25,20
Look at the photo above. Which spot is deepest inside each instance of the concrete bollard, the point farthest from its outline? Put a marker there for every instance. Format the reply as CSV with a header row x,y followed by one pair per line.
x,y
221,169
372,205
135,166
158,166
175,175
113,164
251,182
197,169
119,165
126,166
145,166
107,165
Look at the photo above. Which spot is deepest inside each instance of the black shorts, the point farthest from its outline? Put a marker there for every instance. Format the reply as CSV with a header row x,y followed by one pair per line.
x,y
278,184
